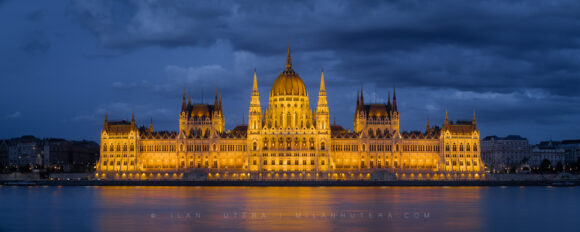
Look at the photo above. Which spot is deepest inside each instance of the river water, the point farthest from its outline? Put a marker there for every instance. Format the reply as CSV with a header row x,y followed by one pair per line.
x,y
289,208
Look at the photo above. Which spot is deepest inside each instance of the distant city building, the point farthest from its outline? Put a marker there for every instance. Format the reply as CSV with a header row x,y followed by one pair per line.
x,y
499,153
3,153
57,154
70,155
571,148
288,139
549,151
25,151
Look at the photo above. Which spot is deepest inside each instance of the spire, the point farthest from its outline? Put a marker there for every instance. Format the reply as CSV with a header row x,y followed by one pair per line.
x,y
106,121
221,108
428,127
362,99
288,59
151,125
389,99
215,100
322,87
132,118
334,121
189,102
394,100
446,123
183,102
473,120
255,85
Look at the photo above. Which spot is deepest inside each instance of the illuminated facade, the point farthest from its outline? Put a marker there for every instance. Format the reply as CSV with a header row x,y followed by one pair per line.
x,y
288,140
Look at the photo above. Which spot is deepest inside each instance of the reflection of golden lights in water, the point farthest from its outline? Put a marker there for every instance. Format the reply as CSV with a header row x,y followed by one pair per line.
x,y
287,208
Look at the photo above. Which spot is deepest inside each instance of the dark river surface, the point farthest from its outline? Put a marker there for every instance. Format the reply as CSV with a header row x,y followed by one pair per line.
x,y
289,208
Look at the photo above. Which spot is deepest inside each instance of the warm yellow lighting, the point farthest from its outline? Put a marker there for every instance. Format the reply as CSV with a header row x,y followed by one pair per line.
x,y
288,136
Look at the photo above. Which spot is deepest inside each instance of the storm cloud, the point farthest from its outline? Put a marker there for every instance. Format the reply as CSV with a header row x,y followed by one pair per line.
x,y
514,62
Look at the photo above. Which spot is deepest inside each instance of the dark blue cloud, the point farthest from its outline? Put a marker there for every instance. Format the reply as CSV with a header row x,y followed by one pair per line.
x,y
514,62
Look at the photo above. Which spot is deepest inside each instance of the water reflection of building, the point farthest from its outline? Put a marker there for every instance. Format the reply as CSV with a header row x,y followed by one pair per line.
x,y
287,140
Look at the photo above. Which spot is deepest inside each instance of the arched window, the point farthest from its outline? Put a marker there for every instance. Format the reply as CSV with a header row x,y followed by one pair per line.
x,y
467,147
214,147
132,147
370,131
111,148
322,146
105,147
474,147
461,147
447,147
454,147
255,146
288,143
118,147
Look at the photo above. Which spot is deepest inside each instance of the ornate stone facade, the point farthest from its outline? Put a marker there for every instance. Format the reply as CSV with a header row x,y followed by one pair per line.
x,y
288,140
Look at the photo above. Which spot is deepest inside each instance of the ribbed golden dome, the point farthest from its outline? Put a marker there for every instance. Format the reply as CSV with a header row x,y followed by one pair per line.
x,y
288,82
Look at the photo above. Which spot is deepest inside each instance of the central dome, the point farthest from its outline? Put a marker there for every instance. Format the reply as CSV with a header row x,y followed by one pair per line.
x,y
288,82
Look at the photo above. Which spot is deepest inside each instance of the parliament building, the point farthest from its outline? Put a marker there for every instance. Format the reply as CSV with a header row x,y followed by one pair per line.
x,y
289,140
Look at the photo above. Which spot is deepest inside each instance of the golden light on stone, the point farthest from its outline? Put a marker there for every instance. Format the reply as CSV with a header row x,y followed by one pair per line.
x,y
289,139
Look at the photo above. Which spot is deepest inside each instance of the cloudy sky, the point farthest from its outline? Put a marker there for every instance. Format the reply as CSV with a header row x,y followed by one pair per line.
x,y
63,64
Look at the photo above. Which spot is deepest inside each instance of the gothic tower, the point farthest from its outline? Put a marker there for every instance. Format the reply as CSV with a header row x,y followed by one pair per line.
x,y
322,114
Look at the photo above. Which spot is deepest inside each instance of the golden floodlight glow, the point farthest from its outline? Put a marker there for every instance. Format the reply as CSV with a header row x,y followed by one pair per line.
x,y
289,135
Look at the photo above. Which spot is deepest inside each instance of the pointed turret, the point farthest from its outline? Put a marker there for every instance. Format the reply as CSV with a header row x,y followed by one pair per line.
x,y
189,102
106,125
362,99
394,100
183,103
322,115
446,122
151,125
255,91
255,111
216,100
427,127
322,86
389,100
288,58
220,102
132,118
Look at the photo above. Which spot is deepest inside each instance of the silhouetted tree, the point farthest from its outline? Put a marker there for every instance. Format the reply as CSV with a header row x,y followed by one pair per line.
x,y
559,167
546,166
